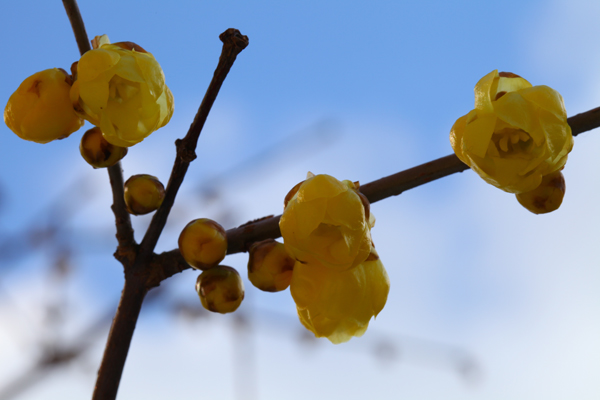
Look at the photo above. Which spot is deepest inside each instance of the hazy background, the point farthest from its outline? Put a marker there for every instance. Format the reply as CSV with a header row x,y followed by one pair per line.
x,y
488,301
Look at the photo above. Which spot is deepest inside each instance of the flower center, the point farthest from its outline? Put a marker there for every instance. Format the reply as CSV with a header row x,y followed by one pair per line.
x,y
121,90
511,141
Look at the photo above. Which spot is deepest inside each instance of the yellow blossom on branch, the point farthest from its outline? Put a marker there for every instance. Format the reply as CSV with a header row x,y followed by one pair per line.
x,y
40,109
516,134
338,305
121,88
325,222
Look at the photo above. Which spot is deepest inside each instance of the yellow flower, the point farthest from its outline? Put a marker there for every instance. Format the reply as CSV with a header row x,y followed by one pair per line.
x,y
339,305
325,222
121,88
40,109
516,134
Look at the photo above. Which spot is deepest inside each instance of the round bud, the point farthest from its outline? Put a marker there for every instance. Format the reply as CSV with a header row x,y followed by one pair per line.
x,y
270,267
203,243
40,110
143,194
98,152
547,197
220,289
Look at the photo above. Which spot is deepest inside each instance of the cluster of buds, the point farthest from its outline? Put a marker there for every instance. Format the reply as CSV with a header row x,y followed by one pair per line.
x,y
517,138
203,245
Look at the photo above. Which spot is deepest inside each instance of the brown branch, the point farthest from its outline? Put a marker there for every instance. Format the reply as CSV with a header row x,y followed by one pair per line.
x,y
233,43
240,238
397,183
79,31
139,265
127,247
119,338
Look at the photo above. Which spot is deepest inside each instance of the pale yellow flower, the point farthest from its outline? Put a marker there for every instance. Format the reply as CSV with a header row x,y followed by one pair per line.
x,y
121,89
516,134
338,305
325,222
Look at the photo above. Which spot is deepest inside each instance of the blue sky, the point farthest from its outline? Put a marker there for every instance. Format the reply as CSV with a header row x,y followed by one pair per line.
x,y
358,90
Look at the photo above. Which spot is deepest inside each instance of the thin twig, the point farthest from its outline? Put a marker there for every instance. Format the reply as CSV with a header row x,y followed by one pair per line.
x,y
233,43
397,183
127,247
239,239
79,31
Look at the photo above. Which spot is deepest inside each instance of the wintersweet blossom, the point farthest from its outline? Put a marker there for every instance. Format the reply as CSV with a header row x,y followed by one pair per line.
x,y
121,88
40,109
338,305
516,134
325,222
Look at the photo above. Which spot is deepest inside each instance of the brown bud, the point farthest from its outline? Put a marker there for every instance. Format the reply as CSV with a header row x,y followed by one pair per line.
x,y
269,266
98,152
547,197
203,243
143,194
220,289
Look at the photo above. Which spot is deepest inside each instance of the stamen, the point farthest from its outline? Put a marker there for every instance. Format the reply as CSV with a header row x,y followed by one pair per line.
x,y
523,136
503,143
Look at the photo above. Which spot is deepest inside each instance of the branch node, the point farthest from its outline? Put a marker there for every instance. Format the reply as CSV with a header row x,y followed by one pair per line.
x,y
184,152
234,38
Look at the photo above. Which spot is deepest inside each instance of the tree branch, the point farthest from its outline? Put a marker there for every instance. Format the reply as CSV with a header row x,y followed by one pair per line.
x,y
139,264
127,247
119,338
233,43
79,31
239,239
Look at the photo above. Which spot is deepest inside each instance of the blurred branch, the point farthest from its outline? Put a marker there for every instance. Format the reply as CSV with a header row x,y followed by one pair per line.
x,y
56,356
312,138
239,239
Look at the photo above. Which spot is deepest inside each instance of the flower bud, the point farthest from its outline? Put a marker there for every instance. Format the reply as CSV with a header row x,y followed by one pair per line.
x,y
270,267
547,197
143,194
220,289
121,88
203,243
40,109
98,152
